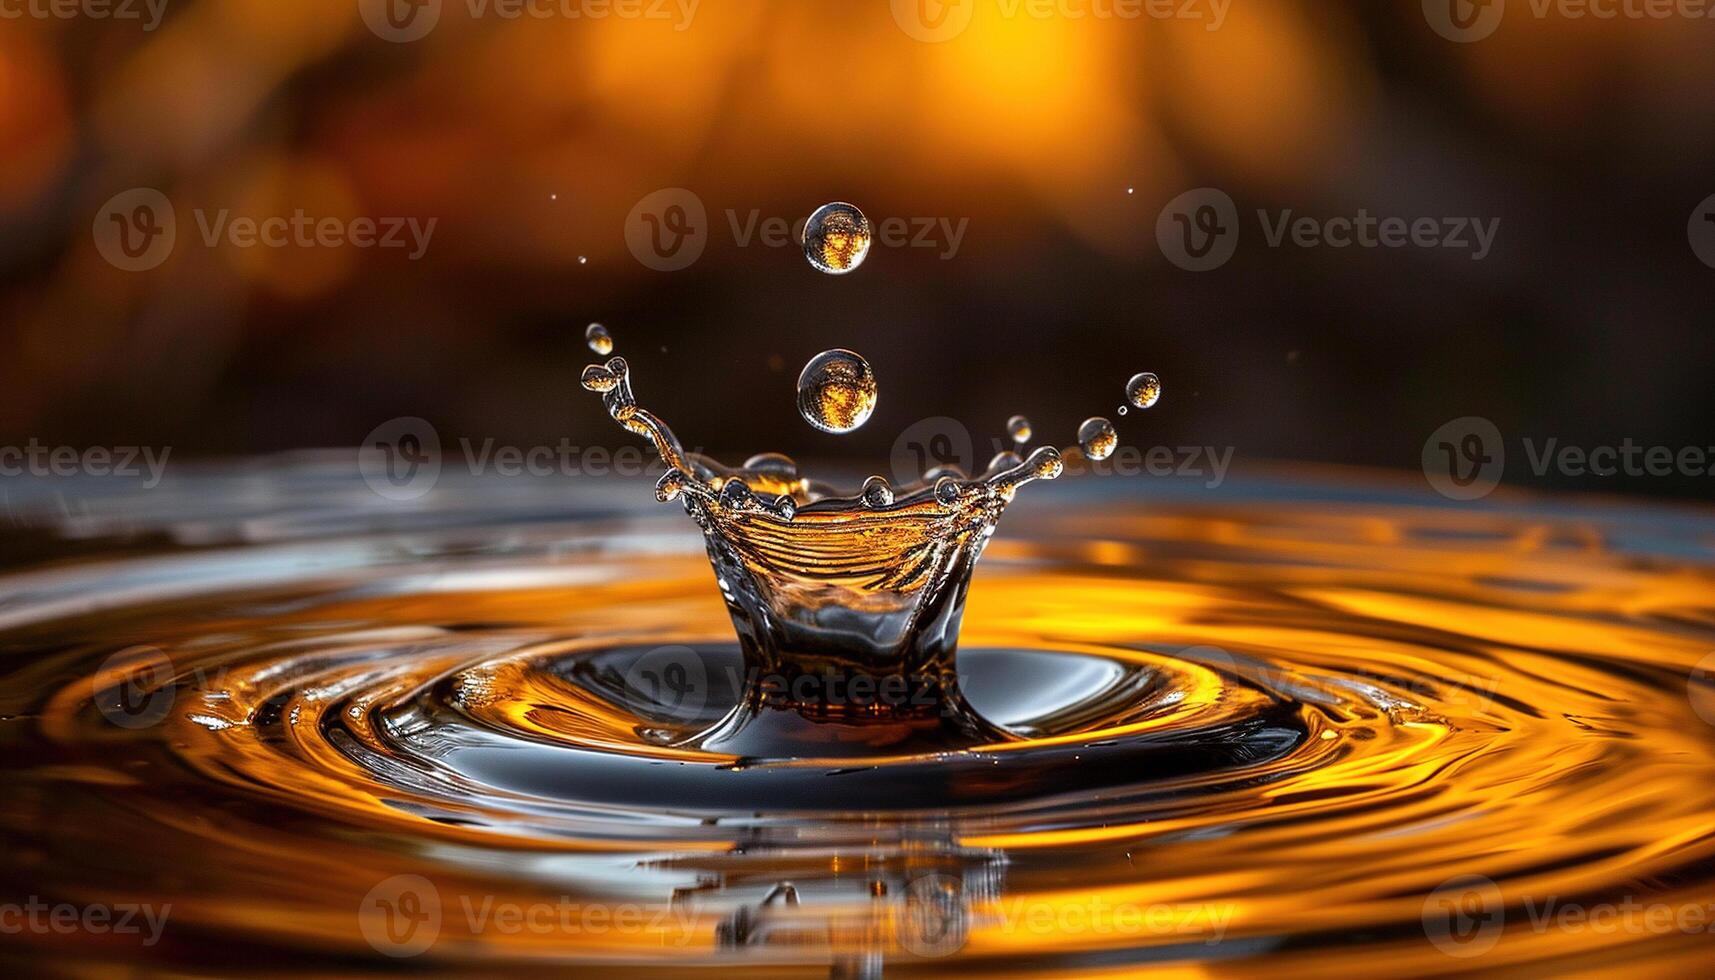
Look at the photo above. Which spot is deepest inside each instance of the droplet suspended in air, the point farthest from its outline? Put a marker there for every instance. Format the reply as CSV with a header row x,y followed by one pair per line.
x,y
876,492
836,238
599,339
1143,390
1018,427
1097,438
836,391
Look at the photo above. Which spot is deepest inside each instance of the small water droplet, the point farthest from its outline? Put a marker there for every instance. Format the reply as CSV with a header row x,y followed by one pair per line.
x,y
836,238
599,339
1143,390
1123,410
1018,427
946,491
785,507
583,260
836,391
1097,438
876,492
598,378
735,495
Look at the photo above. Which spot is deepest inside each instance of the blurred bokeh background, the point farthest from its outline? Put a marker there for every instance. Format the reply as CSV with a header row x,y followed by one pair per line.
x,y
1059,139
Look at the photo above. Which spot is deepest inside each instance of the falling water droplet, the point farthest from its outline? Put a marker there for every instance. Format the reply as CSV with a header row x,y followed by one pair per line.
x,y
1018,427
836,238
599,339
836,391
876,492
1123,410
1143,390
1097,438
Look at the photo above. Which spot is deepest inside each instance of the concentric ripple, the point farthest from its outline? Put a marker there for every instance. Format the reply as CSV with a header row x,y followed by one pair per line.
x,y
1291,730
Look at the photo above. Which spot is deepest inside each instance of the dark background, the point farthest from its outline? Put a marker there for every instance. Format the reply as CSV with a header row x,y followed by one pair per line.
x,y
1592,141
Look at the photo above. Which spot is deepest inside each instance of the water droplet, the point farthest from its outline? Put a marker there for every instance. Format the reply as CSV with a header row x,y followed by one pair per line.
x,y
777,466
1097,438
1123,410
836,238
1047,464
1143,390
735,495
599,339
836,391
670,485
598,378
785,507
583,260
946,491
876,492
1018,427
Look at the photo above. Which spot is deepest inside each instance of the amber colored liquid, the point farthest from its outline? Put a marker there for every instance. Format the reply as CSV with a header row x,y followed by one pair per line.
x,y
1245,738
